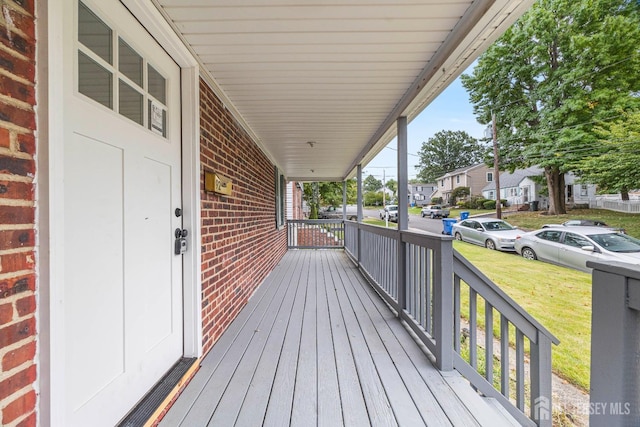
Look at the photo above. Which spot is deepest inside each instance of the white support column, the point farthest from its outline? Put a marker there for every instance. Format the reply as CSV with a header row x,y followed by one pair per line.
x,y
360,213
403,176
344,200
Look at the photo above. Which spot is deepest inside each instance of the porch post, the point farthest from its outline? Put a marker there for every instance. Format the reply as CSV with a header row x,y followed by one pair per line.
x,y
360,216
403,213
615,345
344,200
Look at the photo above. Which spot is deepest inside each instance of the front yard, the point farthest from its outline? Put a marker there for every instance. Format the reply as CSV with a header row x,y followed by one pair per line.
x,y
558,297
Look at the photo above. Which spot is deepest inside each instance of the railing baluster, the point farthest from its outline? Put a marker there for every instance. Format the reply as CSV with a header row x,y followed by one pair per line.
x,y
488,341
504,356
473,328
428,283
456,314
519,369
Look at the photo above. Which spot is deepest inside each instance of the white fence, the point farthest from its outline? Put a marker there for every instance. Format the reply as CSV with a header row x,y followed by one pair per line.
x,y
628,206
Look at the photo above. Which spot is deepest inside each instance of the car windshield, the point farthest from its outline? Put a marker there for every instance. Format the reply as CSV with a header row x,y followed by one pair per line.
x,y
497,226
392,208
616,242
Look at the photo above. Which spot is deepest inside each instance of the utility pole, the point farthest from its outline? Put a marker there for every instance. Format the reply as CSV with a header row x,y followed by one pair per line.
x,y
496,168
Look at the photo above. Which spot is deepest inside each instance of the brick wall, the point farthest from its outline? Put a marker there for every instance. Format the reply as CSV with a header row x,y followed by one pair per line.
x,y
240,241
17,217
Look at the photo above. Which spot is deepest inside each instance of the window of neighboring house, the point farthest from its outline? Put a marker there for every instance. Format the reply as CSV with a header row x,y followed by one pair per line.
x,y
569,191
419,189
281,197
584,190
491,195
442,183
458,179
489,176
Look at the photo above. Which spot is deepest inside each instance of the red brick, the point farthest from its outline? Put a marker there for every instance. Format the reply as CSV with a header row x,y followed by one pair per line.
x,y
17,90
18,116
18,381
30,421
23,405
17,43
17,357
16,332
17,214
27,143
16,190
22,22
14,239
5,138
20,67
6,313
26,306
17,285
16,262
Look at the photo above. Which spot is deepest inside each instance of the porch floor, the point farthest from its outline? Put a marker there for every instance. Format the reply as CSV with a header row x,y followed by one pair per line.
x,y
317,346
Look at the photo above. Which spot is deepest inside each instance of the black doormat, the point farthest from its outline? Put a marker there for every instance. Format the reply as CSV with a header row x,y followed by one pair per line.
x,y
139,415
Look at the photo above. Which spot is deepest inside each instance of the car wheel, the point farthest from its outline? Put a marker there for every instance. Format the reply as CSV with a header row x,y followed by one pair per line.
x,y
423,215
433,216
490,244
353,218
528,253
458,236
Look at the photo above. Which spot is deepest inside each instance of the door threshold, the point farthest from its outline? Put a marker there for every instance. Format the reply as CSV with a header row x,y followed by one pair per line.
x,y
155,402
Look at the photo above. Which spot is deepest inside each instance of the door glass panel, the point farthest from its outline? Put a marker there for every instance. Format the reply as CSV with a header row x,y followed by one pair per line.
x,y
94,81
157,85
131,103
94,33
129,62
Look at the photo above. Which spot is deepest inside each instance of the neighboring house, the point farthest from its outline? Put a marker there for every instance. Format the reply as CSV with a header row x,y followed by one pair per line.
x,y
420,194
519,188
475,177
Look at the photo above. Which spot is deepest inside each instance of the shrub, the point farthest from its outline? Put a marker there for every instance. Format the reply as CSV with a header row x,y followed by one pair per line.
x,y
436,200
489,204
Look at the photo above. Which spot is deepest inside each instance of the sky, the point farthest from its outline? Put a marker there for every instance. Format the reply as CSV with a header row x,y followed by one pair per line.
x,y
449,111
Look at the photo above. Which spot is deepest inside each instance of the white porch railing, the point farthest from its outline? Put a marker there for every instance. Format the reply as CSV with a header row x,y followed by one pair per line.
x,y
437,281
315,234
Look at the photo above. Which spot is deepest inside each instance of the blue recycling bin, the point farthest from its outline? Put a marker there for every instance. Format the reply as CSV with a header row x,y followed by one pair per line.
x,y
447,224
464,215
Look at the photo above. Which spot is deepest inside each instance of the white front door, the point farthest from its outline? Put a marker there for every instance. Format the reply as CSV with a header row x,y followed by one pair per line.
x,y
123,282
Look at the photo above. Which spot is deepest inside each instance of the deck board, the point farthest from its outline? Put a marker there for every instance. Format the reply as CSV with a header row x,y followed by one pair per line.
x,y
316,345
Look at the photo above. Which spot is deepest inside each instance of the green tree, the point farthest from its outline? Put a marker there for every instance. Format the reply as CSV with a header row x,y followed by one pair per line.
x,y
613,165
392,185
329,193
459,193
565,66
372,198
446,151
370,183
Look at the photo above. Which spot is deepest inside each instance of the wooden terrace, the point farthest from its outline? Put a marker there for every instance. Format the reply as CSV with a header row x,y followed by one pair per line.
x,y
316,345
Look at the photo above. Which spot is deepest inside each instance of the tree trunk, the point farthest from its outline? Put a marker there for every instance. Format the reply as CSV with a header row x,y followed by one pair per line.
x,y
624,194
555,185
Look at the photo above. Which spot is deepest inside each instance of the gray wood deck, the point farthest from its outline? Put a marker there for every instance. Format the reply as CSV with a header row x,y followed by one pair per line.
x,y
317,346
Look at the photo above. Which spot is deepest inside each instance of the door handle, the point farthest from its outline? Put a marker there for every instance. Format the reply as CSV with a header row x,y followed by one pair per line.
x,y
180,245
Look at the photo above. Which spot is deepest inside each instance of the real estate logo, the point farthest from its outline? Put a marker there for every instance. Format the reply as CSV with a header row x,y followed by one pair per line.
x,y
542,408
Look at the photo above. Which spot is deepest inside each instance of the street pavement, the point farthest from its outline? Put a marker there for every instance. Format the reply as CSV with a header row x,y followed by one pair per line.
x,y
415,221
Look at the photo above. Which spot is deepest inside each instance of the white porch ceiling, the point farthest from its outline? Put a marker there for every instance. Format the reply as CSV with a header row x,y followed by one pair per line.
x,y
335,72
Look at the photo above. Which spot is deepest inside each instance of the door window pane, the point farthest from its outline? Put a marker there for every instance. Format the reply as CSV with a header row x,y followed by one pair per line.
x,y
157,118
94,33
129,62
131,103
94,81
157,85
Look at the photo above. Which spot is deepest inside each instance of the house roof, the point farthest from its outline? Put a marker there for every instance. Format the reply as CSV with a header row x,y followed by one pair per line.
x,y
508,179
460,171
319,84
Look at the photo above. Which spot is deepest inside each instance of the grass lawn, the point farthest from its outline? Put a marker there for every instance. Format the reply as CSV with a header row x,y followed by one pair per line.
x,y
379,222
558,297
534,220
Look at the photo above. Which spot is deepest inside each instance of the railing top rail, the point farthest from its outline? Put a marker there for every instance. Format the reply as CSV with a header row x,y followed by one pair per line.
x,y
375,229
615,267
506,299
315,221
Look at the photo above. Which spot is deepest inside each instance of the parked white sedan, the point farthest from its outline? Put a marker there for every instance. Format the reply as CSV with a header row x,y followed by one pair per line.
x,y
575,246
491,233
